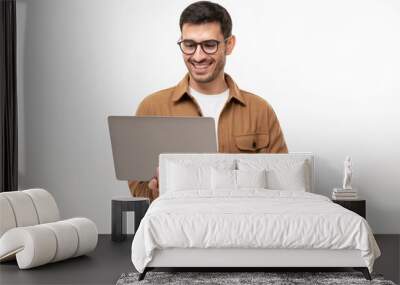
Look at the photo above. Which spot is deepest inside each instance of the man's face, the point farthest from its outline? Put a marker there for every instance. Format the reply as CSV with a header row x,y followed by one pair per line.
x,y
204,67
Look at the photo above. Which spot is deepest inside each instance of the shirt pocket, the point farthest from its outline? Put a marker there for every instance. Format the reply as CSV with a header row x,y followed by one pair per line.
x,y
252,142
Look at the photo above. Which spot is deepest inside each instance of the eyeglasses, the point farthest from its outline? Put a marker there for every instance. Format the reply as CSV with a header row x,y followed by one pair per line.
x,y
189,47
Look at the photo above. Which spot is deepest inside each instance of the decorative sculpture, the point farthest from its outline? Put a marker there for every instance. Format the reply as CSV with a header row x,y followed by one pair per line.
x,y
348,172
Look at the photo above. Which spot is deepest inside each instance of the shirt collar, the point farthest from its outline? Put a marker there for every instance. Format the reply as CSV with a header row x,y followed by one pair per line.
x,y
183,88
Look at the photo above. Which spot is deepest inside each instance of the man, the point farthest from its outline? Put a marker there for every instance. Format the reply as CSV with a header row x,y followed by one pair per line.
x,y
244,121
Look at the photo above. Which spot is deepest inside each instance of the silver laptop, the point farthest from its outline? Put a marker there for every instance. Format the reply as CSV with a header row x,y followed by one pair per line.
x,y
137,141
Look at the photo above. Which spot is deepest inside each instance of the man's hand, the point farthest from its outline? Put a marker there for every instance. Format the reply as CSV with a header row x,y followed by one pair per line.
x,y
153,185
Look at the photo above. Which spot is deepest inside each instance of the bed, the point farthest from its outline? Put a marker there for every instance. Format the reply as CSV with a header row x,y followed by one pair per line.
x,y
248,210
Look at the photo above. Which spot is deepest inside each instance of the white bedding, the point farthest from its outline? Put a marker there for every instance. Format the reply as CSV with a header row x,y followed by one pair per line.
x,y
250,218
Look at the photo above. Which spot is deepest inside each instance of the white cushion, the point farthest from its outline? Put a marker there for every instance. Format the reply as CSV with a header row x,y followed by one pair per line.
x,y
33,245
40,244
23,208
177,174
251,178
291,178
67,239
181,177
226,179
223,179
282,174
87,232
7,215
28,208
45,205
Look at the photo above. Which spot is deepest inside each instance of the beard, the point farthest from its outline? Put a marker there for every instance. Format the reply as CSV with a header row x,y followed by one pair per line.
x,y
209,76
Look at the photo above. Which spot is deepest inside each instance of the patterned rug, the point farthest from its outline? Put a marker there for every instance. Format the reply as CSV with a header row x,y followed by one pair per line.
x,y
269,278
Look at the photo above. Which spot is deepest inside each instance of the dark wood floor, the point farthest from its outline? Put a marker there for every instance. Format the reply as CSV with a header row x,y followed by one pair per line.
x,y
110,260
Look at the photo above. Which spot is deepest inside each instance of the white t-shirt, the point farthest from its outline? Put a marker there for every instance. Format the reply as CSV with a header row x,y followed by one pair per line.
x,y
211,105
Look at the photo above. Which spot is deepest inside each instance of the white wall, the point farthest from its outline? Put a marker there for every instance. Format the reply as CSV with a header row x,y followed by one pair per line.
x,y
330,69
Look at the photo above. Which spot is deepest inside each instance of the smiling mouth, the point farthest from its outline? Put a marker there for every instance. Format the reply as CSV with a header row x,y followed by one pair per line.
x,y
200,67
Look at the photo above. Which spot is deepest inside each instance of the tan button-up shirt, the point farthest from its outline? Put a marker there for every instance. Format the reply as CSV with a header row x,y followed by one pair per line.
x,y
247,123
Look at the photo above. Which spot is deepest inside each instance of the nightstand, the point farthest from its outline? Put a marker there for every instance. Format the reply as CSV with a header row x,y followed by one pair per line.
x,y
119,207
357,206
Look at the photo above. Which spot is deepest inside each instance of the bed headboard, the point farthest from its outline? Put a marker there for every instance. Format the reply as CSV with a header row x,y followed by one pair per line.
x,y
230,158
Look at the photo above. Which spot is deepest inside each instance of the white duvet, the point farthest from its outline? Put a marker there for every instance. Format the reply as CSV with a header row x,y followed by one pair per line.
x,y
250,218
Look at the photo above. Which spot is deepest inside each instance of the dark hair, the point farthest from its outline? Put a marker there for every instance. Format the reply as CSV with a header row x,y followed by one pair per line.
x,y
202,12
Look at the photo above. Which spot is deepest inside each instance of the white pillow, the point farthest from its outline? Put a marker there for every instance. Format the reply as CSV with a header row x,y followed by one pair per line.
x,y
228,179
188,177
281,174
223,179
292,178
251,178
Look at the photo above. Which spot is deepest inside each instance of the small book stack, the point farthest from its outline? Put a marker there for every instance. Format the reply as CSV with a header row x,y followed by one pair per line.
x,y
344,194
